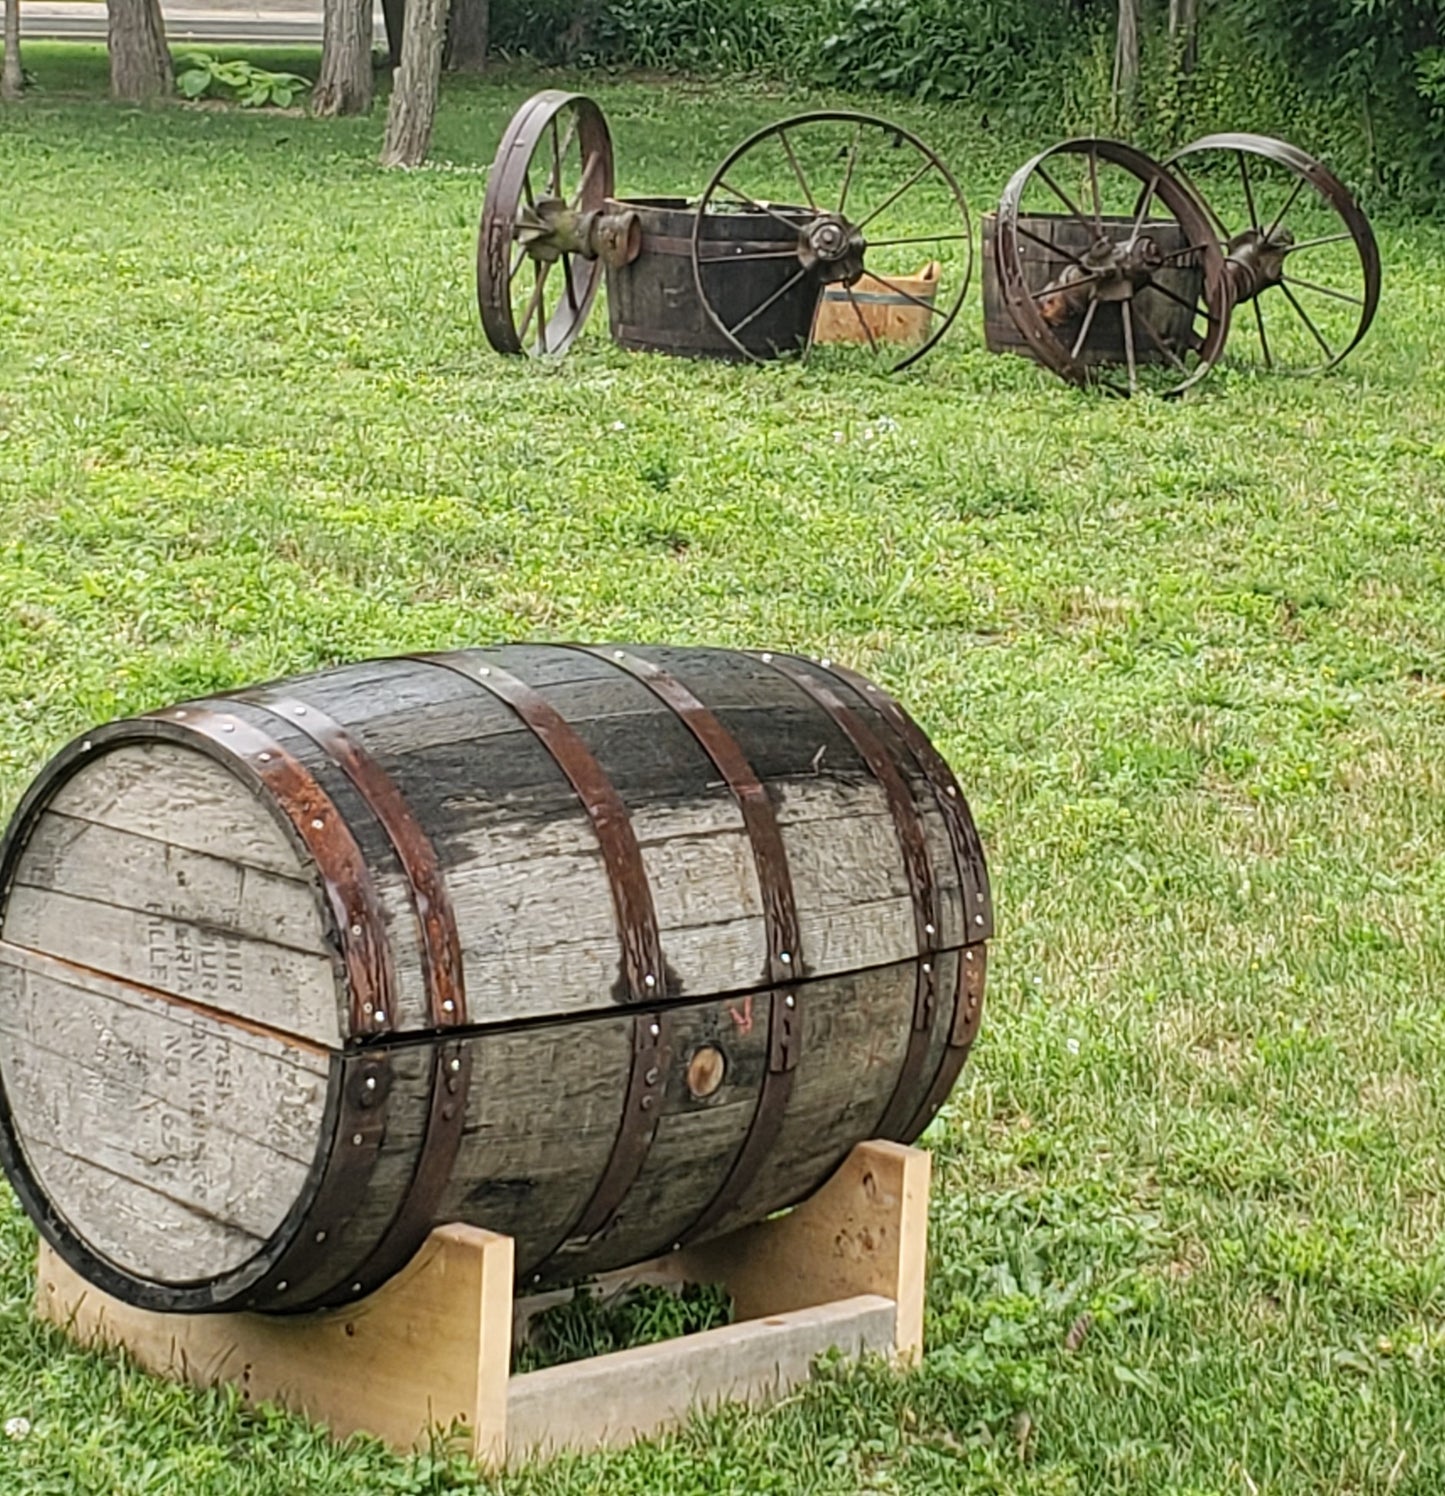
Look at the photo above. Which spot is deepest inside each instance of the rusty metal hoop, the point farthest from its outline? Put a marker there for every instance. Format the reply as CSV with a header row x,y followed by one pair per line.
x,y
1124,261
1257,252
832,244
556,220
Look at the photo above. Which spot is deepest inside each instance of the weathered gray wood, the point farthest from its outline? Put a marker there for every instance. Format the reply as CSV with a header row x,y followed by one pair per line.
x,y
175,1141
202,806
284,989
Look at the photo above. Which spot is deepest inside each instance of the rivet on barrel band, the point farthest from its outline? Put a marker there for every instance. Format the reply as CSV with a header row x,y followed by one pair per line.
x,y
442,971
913,845
641,941
780,918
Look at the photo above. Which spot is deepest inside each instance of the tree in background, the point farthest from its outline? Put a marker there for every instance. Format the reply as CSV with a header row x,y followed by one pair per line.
x,y
12,78
468,36
345,85
1184,33
1126,61
413,109
140,60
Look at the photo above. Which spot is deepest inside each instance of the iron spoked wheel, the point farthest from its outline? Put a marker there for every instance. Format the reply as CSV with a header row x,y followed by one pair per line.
x,y
1111,269
1295,243
874,214
555,160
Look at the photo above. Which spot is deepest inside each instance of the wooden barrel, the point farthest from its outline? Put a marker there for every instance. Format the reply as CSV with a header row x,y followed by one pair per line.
x,y
606,949
653,303
1169,314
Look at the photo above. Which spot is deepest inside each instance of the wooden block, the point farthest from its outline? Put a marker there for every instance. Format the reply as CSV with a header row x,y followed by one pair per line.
x,y
609,1401
429,1349
864,1232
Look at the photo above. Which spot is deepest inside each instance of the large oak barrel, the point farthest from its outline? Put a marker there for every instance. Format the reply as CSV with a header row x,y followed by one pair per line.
x,y
606,949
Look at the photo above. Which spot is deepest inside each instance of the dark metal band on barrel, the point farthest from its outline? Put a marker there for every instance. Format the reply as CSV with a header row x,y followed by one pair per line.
x,y
780,919
644,972
441,963
973,885
913,844
371,979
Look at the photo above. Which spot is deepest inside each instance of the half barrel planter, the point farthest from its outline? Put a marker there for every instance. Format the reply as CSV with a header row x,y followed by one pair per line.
x,y
606,949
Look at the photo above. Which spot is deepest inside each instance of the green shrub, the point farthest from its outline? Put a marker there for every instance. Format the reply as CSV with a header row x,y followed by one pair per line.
x,y
252,87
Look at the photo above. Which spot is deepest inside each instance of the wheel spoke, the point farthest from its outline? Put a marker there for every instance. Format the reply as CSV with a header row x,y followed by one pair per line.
x,y
1294,280
1129,346
888,202
1294,249
527,192
560,152
758,311
918,239
1084,327
1263,341
590,166
752,202
1193,307
852,163
906,294
1073,259
1062,290
1248,190
517,264
1305,317
752,254
1064,198
1288,204
1158,341
797,170
862,320
536,301
1143,212
1094,192
1176,255
567,280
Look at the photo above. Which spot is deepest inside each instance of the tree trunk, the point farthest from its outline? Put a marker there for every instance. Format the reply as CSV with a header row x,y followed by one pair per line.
x,y
12,78
1184,33
413,108
394,14
468,30
345,84
1126,60
140,61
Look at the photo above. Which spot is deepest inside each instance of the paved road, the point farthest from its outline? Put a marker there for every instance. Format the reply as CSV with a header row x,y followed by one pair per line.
x,y
280,23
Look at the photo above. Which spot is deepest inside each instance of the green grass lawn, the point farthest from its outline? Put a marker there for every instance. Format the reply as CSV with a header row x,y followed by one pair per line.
x,y
1187,659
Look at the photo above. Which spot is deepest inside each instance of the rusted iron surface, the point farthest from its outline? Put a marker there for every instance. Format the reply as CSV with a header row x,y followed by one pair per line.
x,y
1258,253
555,218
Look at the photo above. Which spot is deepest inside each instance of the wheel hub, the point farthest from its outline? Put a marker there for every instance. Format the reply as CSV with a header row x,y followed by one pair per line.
x,y
1255,261
833,247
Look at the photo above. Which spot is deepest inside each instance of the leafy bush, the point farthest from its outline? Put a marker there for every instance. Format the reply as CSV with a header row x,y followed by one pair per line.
x,y
251,87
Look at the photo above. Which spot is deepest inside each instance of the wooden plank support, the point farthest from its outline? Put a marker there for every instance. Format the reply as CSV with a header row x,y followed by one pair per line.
x,y
844,1271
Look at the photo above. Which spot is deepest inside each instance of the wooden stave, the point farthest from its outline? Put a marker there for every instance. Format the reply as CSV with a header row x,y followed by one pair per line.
x,y
307,1293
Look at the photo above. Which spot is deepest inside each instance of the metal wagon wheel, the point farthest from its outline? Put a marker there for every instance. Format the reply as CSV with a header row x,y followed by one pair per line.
x,y
866,198
1107,261
1311,254
552,172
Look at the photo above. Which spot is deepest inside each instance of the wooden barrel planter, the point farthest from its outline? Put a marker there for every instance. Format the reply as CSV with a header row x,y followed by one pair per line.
x,y
1104,343
604,949
653,303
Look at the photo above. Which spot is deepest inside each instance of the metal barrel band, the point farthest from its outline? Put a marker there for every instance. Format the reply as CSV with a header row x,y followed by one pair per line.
x,y
780,916
913,845
366,955
441,959
350,891
974,888
962,833
643,967
967,1013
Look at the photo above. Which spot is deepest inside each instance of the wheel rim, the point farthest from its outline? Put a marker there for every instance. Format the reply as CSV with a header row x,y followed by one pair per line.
x,y
1128,257
1310,256
534,298
862,225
